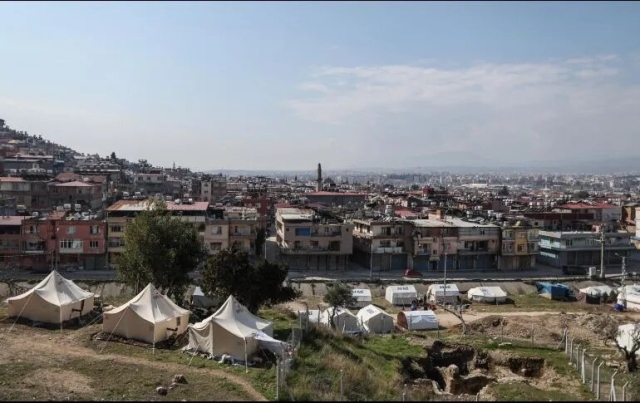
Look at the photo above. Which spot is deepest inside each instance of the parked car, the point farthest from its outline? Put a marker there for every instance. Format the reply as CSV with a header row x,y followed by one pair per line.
x,y
412,273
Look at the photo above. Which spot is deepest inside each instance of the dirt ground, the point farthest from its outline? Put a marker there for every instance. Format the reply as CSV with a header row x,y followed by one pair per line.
x,y
49,358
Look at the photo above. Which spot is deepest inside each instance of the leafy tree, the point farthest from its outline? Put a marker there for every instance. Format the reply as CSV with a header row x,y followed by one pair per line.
x,y
629,350
230,272
160,249
583,194
415,187
504,191
113,156
338,296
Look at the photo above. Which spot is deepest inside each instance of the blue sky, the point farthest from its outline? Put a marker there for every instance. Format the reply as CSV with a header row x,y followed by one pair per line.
x,y
349,84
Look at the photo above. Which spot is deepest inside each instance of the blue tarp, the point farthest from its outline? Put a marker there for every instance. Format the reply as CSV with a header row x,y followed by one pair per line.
x,y
556,291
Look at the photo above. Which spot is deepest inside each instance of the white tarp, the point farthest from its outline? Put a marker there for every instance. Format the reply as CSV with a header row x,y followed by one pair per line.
x,y
418,320
269,343
362,297
313,316
628,335
343,320
401,294
375,320
54,300
199,300
230,330
150,317
597,290
487,294
436,292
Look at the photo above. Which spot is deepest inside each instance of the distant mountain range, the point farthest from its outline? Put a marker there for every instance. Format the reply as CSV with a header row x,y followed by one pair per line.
x,y
453,162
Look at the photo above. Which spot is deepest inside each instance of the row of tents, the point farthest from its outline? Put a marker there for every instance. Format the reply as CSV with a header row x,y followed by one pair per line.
x,y
150,317
371,319
449,294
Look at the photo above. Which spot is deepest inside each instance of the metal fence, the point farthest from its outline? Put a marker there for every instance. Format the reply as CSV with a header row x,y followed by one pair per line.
x,y
603,379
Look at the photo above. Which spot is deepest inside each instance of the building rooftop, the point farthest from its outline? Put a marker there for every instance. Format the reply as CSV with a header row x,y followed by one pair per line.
x,y
140,205
73,184
11,179
457,222
578,206
292,213
428,223
12,220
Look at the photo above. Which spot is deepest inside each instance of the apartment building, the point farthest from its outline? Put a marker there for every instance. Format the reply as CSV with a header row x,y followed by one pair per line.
x,y
149,183
10,239
213,188
583,248
433,244
122,212
18,188
519,246
380,244
602,212
87,194
62,239
262,206
478,244
231,227
313,239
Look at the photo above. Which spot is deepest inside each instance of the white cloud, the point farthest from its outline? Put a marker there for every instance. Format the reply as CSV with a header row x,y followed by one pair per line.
x,y
537,108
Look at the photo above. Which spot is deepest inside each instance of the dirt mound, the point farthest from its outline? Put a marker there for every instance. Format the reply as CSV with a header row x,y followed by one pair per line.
x,y
545,329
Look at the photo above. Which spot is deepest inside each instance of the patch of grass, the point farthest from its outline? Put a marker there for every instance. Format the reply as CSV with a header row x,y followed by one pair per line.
x,y
522,392
84,379
369,366
534,303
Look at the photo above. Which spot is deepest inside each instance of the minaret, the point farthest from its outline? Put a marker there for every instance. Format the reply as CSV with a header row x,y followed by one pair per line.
x,y
319,179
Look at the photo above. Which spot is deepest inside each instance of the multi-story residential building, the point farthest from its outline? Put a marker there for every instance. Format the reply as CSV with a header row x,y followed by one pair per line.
x,y
433,244
478,245
312,239
213,188
381,244
262,205
122,212
149,183
603,212
582,248
519,247
335,198
18,188
10,238
231,227
87,194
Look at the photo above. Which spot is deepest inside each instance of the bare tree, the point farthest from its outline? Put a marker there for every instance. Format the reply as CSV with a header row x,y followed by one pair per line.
x,y
625,339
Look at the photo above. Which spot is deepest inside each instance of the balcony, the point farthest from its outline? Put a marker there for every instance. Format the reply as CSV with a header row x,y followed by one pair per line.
x,y
473,251
389,249
286,249
322,234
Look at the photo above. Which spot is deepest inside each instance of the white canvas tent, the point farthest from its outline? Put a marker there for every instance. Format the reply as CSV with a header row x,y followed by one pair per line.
x,y
375,320
362,296
418,320
436,292
597,290
343,320
199,300
150,317
54,300
494,295
401,294
230,330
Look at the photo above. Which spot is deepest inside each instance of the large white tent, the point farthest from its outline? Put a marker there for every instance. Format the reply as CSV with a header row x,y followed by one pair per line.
x,y
493,295
343,320
401,294
54,300
597,290
436,292
418,320
232,330
362,297
628,336
375,320
150,317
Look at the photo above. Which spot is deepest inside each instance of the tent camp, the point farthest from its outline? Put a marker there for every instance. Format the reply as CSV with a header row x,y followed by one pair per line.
x,y
491,295
436,292
401,294
418,320
312,316
374,320
362,296
150,317
629,297
199,300
232,330
343,320
54,300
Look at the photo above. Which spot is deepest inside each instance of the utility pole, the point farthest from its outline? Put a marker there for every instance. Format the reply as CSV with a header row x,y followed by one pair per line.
x,y
371,259
602,238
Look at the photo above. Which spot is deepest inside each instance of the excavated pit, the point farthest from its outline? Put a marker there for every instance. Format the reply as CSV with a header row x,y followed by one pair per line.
x,y
459,369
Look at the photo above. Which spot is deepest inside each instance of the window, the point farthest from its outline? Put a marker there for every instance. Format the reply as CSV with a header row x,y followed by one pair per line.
x,y
33,229
520,248
258,205
70,244
94,230
314,244
115,228
93,244
434,252
178,321
481,232
385,244
71,230
522,234
215,246
216,230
